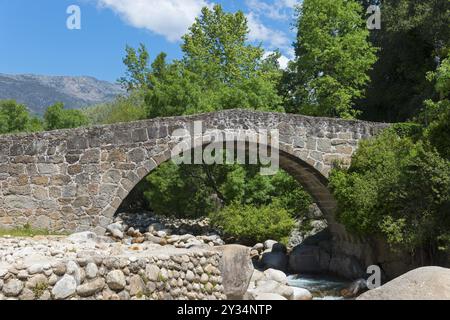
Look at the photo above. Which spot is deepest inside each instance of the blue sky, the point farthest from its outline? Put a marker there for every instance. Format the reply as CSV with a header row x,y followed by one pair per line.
x,y
35,38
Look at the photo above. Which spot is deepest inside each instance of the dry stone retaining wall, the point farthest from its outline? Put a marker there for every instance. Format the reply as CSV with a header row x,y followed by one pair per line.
x,y
190,276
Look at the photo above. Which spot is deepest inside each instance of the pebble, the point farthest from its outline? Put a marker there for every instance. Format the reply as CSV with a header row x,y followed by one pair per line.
x,y
87,266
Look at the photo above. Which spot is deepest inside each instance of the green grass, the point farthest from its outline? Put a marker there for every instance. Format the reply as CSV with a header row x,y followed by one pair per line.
x,y
26,231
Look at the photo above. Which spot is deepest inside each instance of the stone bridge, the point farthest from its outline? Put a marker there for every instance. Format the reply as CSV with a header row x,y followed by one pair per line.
x,y
74,180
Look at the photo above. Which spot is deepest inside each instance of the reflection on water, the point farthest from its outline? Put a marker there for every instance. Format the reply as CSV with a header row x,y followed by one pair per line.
x,y
322,287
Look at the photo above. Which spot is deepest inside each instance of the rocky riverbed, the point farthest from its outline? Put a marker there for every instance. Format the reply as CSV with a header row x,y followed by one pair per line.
x,y
143,256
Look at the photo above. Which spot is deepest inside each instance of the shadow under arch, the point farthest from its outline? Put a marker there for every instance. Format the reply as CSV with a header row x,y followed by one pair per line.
x,y
312,180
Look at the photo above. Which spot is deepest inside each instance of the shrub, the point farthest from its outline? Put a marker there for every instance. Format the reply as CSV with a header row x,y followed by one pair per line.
x,y
399,188
439,133
249,224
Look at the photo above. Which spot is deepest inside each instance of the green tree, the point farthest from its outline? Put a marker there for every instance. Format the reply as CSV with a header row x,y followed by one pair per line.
x,y
175,191
333,57
219,70
15,118
439,112
414,36
215,48
56,117
137,74
126,109
197,190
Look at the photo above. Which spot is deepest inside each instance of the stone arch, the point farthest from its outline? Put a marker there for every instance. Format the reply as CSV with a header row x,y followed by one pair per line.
x,y
311,179
74,180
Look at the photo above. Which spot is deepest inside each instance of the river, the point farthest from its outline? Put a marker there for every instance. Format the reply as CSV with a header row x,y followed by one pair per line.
x,y
322,287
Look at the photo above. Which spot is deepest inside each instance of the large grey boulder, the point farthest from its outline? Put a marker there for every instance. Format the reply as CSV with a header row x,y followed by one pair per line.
x,y
271,286
276,275
308,259
236,269
428,283
301,294
346,265
312,255
274,260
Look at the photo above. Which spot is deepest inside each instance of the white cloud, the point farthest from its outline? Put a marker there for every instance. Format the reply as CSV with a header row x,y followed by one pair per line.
x,y
276,10
172,18
169,18
283,61
271,39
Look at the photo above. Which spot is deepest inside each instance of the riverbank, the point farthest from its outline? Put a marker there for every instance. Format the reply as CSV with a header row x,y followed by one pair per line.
x,y
152,258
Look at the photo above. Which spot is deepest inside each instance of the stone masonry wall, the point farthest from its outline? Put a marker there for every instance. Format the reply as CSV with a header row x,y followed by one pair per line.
x,y
188,276
75,180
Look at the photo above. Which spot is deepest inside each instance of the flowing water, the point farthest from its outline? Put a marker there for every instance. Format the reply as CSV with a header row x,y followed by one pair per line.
x,y
322,287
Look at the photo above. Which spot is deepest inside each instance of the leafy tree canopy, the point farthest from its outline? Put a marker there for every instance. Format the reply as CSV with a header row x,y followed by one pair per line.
x,y
56,117
414,38
15,118
333,57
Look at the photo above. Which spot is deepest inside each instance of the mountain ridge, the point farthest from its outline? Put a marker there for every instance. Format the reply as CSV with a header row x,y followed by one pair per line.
x,y
38,92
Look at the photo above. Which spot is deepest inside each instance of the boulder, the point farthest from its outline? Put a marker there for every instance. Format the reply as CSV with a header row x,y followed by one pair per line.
x,y
155,240
236,269
90,288
270,286
137,286
279,247
64,288
116,280
258,247
116,233
27,294
301,294
37,281
12,288
305,259
74,270
346,265
115,226
116,230
91,270
274,260
152,272
276,275
268,244
257,275
428,283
